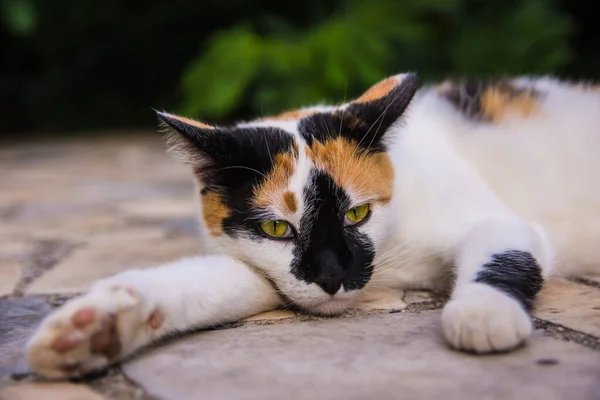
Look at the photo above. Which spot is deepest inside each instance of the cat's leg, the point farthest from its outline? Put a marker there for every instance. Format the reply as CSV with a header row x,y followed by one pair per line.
x,y
122,313
500,266
500,261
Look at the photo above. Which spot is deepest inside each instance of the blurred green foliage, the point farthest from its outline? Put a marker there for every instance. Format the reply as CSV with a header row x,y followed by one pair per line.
x,y
96,64
19,16
366,41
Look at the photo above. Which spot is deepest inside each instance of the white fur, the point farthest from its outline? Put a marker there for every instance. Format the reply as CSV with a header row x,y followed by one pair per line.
x,y
463,191
191,293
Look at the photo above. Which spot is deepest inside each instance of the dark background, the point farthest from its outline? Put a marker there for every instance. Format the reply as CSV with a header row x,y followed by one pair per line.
x,y
81,66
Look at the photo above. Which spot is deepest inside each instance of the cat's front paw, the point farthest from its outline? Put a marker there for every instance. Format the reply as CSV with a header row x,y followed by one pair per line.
x,y
482,319
89,333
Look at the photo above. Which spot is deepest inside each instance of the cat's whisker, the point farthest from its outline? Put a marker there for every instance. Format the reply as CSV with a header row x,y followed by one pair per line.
x,y
398,246
392,254
368,286
287,305
394,262
403,248
269,150
397,256
408,252
243,167
391,258
342,118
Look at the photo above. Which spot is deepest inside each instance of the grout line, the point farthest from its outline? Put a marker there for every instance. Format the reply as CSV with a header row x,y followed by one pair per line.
x,y
46,255
561,332
587,282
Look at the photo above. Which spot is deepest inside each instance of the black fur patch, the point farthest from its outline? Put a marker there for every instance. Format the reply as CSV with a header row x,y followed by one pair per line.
x,y
327,252
365,123
235,162
516,273
246,159
383,112
467,95
321,127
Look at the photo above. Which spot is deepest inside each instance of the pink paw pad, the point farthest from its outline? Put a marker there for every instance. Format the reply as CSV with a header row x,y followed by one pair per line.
x,y
83,317
65,343
155,320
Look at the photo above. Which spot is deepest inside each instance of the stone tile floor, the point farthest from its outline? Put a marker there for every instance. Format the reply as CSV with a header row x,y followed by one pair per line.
x,y
74,211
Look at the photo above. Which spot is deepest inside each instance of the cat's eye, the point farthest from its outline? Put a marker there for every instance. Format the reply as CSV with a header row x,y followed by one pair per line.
x,y
277,229
356,215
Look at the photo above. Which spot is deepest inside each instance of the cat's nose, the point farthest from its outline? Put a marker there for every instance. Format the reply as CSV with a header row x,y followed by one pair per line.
x,y
330,285
330,271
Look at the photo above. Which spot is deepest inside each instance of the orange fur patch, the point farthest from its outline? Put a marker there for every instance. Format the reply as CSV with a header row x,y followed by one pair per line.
x,y
290,203
378,90
293,114
368,175
500,100
274,187
214,212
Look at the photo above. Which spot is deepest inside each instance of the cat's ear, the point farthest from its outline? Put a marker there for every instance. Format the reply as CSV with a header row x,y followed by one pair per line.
x,y
224,156
385,102
192,142
206,148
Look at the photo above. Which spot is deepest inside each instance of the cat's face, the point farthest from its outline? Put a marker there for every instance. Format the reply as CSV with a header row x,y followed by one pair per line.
x,y
301,197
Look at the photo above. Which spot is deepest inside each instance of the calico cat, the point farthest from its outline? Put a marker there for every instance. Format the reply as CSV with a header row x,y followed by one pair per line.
x,y
473,186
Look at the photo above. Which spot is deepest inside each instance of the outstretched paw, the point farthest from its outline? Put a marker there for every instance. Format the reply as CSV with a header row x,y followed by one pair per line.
x,y
483,320
89,333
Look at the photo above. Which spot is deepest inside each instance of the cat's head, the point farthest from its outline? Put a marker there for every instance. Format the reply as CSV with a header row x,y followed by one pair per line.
x,y
303,197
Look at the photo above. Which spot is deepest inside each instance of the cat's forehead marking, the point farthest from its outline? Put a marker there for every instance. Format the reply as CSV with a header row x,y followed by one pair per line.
x,y
367,175
491,101
290,203
272,189
214,212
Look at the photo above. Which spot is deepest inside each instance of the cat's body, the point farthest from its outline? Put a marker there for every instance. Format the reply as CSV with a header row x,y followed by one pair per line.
x,y
483,188
537,154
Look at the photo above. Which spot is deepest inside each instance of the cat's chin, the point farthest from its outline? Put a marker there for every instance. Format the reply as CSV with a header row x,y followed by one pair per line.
x,y
329,307
312,299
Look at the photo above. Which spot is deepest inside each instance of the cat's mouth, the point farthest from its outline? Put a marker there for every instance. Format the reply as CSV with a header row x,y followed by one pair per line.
x,y
312,299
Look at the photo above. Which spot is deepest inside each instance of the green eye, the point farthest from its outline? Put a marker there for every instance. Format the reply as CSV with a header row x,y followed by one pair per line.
x,y
356,214
276,229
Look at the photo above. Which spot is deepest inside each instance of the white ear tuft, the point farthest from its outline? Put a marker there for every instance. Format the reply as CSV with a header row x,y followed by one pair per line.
x,y
182,136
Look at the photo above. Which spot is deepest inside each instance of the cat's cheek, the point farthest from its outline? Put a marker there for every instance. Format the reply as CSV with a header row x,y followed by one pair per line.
x,y
271,257
377,229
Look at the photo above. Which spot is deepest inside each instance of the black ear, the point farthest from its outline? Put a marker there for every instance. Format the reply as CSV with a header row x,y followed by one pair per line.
x,y
385,102
224,156
206,148
193,142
